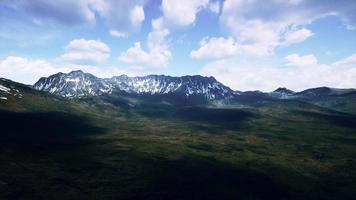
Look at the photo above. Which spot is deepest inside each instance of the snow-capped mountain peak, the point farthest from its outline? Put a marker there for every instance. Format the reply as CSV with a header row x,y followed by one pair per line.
x,y
284,90
73,84
80,84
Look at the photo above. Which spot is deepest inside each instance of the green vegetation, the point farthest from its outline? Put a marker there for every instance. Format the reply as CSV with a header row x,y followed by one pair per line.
x,y
131,148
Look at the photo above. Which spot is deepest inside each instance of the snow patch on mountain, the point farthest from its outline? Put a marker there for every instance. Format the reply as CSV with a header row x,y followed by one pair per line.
x,y
5,89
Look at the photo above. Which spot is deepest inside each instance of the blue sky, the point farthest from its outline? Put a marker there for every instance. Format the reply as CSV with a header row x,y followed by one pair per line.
x,y
245,44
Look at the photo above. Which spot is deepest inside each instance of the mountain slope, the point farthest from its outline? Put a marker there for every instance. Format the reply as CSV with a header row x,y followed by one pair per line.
x,y
19,97
8,90
343,100
338,99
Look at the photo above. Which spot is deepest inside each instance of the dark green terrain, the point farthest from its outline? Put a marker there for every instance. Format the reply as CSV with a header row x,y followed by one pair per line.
x,y
127,147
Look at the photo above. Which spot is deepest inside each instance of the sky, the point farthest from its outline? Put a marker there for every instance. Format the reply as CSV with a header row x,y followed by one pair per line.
x,y
245,44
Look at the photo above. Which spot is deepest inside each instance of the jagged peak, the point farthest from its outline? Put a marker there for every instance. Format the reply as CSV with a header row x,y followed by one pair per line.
x,y
212,78
76,72
284,90
167,77
196,77
54,75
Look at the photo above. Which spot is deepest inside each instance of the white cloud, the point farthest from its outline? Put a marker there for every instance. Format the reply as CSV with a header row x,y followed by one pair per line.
x,y
86,51
226,47
176,14
181,13
214,7
297,36
135,56
262,26
296,60
349,62
157,56
299,73
122,15
137,15
116,33
27,71
215,48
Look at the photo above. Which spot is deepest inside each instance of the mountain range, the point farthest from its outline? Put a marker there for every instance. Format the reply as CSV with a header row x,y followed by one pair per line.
x,y
185,90
80,84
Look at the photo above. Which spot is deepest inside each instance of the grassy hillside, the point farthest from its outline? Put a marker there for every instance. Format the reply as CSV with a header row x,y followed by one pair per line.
x,y
131,148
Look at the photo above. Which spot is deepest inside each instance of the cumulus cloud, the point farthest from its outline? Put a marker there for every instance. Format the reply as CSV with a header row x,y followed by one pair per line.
x,y
122,15
181,13
261,26
27,71
215,48
86,51
298,73
175,14
297,36
137,15
116,33
225,47
157,56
